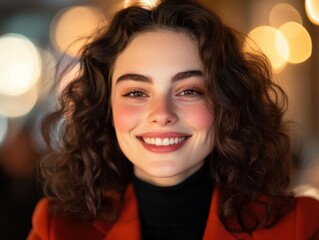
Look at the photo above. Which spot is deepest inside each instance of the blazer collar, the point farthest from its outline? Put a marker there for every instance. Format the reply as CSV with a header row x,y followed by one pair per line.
x,y
128,224
214,228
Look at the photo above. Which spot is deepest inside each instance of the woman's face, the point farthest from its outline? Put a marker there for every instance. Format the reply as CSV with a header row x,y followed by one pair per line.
x,y
161,121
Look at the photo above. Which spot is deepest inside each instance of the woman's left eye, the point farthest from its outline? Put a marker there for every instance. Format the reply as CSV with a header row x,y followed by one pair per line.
x,y
190,92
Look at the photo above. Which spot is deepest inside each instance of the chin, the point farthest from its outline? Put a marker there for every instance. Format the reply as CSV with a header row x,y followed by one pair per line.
x,y
162,175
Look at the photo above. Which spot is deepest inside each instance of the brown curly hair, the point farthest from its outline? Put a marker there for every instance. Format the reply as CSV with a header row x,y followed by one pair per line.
x,y
84,165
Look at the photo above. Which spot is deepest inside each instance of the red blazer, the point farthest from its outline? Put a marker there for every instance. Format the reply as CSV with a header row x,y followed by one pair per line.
x,y
301,223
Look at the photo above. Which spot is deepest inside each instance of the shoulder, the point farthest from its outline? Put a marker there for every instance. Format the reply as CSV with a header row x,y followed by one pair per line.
x,y
307,206
306,217
47,225
40,221
301,222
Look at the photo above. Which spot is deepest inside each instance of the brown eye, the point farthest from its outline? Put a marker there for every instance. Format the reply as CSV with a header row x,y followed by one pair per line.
x,y
190,92
135,94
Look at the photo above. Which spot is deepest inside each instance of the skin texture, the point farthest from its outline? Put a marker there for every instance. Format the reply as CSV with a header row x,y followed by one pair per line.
x,y
157,92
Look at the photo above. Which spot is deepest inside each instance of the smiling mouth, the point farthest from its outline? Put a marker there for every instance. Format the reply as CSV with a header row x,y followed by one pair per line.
x,y
163,141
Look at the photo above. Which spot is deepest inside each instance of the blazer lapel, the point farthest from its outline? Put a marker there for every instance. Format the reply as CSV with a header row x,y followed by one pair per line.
x,y
214,227
128,225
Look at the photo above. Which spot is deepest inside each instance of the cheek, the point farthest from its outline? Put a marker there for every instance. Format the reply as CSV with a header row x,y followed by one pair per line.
x,y
125,117
199,117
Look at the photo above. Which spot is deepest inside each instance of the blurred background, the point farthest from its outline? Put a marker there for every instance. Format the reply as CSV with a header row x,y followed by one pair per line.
x,y
36,34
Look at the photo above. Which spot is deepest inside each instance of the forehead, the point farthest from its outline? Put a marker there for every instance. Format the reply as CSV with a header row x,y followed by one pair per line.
x,y
159,49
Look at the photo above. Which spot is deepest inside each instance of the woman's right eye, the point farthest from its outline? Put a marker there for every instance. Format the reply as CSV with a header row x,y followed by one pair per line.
x,y
135,94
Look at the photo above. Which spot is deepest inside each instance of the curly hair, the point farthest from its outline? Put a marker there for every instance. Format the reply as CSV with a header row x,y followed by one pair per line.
x,y
251,157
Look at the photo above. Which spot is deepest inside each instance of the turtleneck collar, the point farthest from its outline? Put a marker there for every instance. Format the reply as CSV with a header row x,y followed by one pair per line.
x,y
175,212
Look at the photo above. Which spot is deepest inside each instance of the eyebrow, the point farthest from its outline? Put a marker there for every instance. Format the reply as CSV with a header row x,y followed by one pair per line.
x,y
142,78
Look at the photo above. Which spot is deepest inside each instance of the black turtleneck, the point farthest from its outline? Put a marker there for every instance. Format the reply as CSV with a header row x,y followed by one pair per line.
x,y
175,212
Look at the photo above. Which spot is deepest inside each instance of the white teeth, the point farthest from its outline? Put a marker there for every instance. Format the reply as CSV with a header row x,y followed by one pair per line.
x,y
163,141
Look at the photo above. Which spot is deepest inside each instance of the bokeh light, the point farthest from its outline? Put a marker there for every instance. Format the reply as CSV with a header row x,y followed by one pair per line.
x,y
312,10
307,190
272,43
282,13
150,3
73,27
20,105
146,3
299,41
20,64
3,128
127,3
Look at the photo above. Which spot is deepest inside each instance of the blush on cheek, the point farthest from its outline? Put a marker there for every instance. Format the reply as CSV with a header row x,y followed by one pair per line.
x,y
125,117
199,116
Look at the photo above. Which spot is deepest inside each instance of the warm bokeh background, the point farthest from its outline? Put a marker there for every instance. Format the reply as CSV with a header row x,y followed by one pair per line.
x,y
35,34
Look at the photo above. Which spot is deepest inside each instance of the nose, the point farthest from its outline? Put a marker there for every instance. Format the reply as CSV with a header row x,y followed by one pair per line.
x,y
162,112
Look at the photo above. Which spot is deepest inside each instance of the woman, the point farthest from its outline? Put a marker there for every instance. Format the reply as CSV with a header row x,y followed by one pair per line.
x,y
170,131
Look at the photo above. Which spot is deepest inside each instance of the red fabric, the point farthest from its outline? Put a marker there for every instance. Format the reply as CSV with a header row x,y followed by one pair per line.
x,y
301,223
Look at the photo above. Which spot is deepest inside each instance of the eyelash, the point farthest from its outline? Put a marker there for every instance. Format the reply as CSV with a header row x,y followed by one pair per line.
x,y
133,93
190,92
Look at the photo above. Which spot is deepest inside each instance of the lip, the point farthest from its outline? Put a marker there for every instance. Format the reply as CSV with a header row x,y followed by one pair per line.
x,y
162,135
